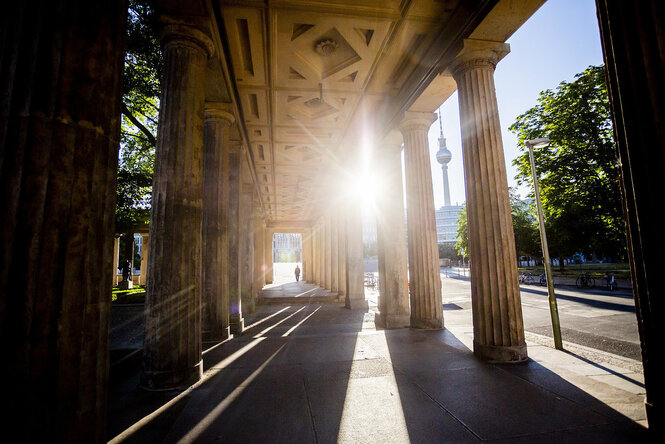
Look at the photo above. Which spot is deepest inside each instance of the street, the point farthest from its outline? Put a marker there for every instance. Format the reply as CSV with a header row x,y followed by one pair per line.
x,y
595,318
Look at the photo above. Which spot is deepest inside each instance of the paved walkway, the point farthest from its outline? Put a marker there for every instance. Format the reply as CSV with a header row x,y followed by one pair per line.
x,y
320,373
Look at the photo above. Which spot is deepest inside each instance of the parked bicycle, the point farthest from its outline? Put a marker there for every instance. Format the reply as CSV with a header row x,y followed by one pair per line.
x,y
528,278
585,281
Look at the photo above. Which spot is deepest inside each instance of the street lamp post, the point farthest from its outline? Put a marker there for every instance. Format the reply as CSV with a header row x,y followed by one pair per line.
x,y
554,312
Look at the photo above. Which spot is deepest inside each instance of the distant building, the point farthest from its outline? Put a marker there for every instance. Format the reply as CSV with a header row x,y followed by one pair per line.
x,y
287,247
446,224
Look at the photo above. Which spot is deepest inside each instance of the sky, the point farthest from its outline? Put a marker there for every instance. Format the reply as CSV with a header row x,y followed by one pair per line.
x,y
560,40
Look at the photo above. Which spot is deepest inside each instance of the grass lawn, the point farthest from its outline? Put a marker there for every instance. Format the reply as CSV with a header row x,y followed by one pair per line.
x,y
134,296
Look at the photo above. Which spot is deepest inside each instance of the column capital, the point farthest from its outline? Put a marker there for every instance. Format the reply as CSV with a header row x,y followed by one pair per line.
x,y
183,34
478,54
219,111
414,121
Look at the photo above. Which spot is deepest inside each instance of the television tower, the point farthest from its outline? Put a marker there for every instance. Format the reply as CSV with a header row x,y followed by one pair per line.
x,y
443,156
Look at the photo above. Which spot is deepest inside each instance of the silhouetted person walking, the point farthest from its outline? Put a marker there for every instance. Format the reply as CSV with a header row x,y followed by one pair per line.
x,y
297,271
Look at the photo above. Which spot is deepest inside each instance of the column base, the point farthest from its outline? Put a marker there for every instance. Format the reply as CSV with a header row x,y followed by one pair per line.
x,y
171,379
216,335
237,325
427,324
392,321
126,285
356,304
506,354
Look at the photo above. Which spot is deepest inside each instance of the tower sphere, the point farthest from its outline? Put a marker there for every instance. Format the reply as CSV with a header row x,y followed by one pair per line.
x,y
443,156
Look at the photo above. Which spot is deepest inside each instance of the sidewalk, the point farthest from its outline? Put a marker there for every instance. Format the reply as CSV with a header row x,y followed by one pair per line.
x,y
322,373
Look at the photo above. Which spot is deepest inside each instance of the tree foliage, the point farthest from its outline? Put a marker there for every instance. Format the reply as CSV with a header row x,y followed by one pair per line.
x,y
462,245
140,113
525,226
577,173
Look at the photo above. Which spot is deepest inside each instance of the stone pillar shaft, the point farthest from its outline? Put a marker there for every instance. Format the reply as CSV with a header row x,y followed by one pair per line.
x,y
236,321
319,256
144,259
61,82
341,227
246,247
495,293
215,304
355,278
393,288
172,345
258,250
334,255
268,244
327,248
425,281
307,256
116,259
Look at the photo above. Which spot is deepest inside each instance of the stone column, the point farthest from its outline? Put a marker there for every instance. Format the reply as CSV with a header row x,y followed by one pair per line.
x,y
116,259
267,244
214,298
144,258
341,236
355,279
307,255
319,255
425,281
61,82
495,294
327,248
258,248
172,345
391,239
334,254
246,247
236,320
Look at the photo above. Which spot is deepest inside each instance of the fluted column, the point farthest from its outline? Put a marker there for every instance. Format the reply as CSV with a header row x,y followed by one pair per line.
x,y
327,246
319,255
233,185
258,248
355,279
214,298
424,277
341,245
307,255
61,83
172,346
334,254
144,258
497,311
246,240
116,259
391,239
267,254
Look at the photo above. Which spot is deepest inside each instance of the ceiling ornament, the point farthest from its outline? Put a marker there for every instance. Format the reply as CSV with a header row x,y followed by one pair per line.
x,y
326,47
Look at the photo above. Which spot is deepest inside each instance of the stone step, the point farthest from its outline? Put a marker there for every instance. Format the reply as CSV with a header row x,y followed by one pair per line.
x,y
318,298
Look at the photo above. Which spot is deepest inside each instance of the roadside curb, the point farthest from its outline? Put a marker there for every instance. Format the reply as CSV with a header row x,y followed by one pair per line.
x,y
588,352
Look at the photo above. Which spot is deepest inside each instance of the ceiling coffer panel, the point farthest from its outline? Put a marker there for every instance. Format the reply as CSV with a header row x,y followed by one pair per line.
x,y
245,33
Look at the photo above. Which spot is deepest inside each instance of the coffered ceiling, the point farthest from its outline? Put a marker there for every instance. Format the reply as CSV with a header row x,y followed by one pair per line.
x,y
312,76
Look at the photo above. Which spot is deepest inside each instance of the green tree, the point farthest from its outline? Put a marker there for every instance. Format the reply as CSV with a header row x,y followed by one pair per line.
x,y
527,240
462,245
578,172
140,114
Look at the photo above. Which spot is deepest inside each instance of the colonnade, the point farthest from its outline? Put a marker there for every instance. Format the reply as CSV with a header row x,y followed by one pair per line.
x,y
59,165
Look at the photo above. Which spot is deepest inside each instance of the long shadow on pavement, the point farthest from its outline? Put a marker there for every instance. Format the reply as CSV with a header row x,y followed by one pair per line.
x,y
470,401
284,380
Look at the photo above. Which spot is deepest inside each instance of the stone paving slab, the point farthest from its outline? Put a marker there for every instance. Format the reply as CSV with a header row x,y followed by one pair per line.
x,y
321,373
